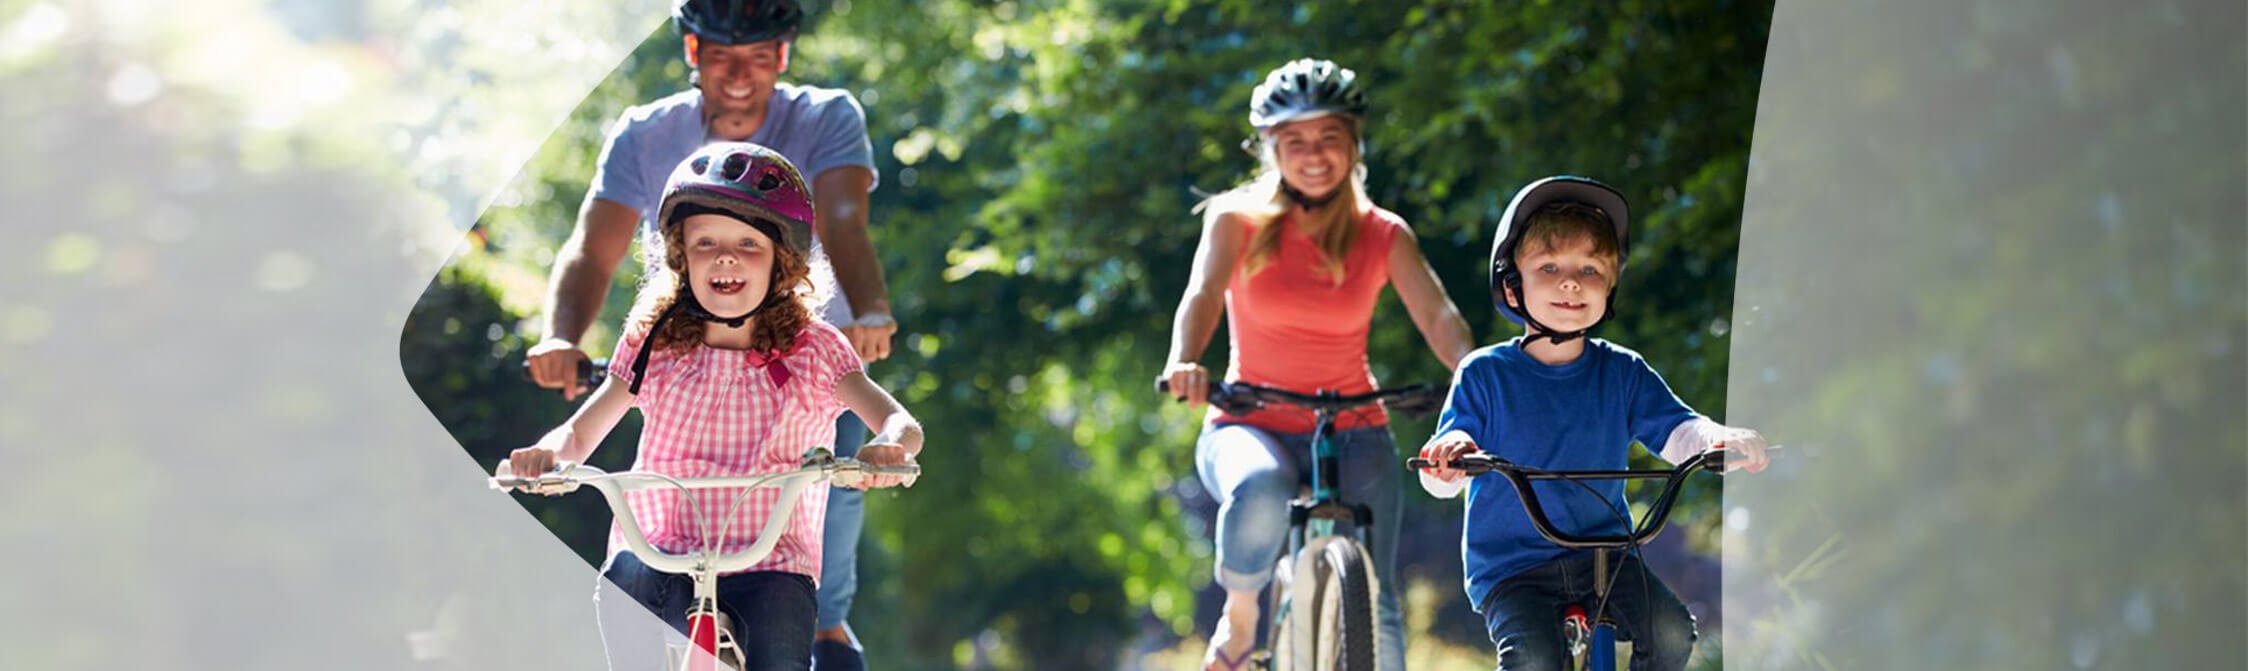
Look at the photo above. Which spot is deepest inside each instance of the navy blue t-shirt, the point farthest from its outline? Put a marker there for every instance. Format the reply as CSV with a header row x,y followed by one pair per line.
x,y
1582,415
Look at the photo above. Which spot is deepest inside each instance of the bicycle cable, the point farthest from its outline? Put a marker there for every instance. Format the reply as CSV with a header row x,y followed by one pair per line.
x,y
1600,608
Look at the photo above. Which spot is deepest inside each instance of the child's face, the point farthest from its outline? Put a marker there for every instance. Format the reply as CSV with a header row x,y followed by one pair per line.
x,y
729,263
1315,154
1565,285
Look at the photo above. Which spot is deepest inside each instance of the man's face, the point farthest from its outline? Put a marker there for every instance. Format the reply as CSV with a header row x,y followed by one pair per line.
x,y
737,78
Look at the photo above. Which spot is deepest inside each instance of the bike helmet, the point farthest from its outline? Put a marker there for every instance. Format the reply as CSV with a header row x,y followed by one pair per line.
x,y
747,182
1305,89
1540,194
737,21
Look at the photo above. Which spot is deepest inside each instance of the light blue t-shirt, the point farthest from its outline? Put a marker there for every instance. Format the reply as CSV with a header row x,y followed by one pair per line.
x,y
1582,415
816,128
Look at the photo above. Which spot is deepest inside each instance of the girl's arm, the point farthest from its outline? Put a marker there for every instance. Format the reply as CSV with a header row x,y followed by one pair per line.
x,y
897,436
1204,303
1433,312
576,439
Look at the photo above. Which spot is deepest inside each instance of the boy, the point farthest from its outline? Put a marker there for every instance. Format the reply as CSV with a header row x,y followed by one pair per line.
x,y
1556,399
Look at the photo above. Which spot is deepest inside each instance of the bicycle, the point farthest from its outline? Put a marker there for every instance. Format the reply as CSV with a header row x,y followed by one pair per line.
x,y
1336,632
1591,635
710,639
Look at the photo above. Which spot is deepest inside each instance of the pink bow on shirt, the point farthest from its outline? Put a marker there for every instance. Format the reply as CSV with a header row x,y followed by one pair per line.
x,y
775,364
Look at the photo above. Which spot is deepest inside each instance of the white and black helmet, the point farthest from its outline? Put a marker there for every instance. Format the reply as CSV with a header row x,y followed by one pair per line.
x,y
1306,89
1605,203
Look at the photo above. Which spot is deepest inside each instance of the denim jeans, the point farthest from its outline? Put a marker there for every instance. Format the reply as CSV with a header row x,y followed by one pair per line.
x,y
1253,473
772,615
839,541
1523,614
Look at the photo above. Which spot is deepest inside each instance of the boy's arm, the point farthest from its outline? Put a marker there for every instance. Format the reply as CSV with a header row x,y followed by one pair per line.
x,y
1658,415
1701,434
1465,409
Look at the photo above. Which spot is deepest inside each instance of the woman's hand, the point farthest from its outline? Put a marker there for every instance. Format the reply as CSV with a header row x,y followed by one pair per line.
x,y
1189,382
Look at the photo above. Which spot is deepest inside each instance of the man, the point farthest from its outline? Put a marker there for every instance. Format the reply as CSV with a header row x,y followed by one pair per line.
x,y
737,50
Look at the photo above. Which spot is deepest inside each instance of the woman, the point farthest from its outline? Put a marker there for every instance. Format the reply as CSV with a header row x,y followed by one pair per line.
x,y
1296,259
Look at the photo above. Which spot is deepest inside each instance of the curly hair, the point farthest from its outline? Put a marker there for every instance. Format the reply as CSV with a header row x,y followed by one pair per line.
x,y
794,286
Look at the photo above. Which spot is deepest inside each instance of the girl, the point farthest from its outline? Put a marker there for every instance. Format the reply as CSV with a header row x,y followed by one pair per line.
x,y
733,376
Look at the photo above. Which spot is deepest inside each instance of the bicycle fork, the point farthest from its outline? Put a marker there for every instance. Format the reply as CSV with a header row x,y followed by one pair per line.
x,y
705,625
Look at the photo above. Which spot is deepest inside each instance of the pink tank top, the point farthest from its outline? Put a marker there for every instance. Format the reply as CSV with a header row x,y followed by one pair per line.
x,y
1292,327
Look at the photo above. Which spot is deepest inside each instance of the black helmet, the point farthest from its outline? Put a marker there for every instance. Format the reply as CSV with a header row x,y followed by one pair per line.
x,y
1305,89
737,21
1538,195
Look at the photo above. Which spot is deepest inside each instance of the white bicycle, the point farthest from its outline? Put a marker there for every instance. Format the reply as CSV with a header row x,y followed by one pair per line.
x,y
710,639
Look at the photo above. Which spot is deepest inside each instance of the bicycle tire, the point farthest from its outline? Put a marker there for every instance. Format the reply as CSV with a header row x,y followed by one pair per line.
x,y
1344,610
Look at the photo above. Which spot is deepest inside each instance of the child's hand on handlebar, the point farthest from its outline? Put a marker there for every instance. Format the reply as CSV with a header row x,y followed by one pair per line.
x,y
883,454
1746,447
1443,450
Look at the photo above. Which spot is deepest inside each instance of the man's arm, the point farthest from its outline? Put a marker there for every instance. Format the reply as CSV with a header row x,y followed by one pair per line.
x,y
578,284
841,195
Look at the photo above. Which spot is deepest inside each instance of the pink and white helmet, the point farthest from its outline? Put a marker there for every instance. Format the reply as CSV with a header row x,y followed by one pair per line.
x,y
747,181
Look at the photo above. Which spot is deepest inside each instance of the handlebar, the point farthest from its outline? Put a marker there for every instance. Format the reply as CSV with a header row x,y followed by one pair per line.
x,y
590,371
1236,398
818,465
1521,477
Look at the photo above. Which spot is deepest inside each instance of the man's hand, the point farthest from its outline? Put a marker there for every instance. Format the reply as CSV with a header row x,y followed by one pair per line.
x,y
554,364
870,335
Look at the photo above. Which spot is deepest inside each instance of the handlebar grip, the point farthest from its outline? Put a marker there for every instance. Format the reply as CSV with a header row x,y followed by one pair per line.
x,y
590,371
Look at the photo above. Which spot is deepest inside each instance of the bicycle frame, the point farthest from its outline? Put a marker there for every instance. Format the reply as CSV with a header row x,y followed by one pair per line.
x,y
704,565
1313,518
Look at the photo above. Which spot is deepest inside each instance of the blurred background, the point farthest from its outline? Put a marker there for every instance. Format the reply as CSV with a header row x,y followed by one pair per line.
x,y
1038,163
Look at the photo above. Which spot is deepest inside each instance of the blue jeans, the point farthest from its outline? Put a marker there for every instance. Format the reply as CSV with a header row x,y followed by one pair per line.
x,y
772,615
839,541
1523,614
1253,473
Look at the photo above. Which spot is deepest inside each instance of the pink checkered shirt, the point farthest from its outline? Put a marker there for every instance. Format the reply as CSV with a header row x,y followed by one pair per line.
x,y
715,412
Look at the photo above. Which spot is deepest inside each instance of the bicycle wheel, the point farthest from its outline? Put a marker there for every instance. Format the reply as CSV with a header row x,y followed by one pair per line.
x,y
1342,609
1279,652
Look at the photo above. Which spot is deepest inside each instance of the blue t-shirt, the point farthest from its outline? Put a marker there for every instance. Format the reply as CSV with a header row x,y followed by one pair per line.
x,y
1581,415
816,128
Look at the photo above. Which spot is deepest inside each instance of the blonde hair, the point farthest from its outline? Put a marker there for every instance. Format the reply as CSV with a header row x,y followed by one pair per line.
x,y
1261,200
787,308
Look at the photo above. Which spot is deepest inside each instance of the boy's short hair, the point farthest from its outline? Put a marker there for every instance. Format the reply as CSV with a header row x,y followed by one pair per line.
x,y
1563,222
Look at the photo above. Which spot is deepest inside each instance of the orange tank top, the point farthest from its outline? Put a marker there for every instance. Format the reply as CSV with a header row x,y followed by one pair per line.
x,y
1290,326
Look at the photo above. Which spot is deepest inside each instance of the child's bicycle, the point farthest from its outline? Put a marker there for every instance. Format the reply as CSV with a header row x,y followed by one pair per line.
x,y
710,631
1326,572
1591,634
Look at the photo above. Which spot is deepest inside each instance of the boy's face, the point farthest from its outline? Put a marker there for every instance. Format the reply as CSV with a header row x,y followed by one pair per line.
x,y
729,263
1565,285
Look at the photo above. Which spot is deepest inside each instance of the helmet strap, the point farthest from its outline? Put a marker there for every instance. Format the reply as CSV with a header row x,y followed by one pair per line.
x,y
1513,282
693,309
1308,202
